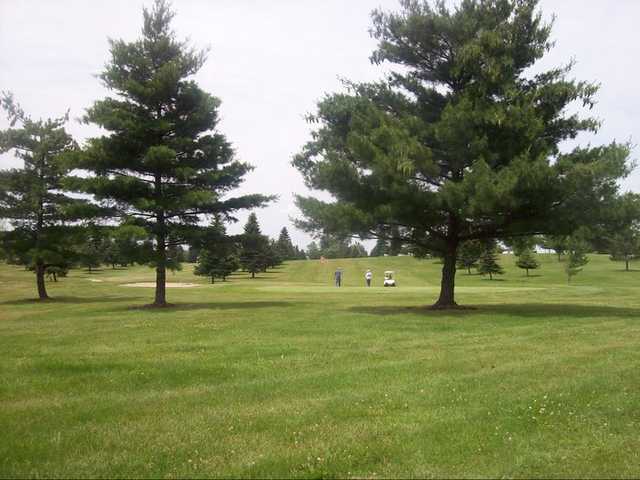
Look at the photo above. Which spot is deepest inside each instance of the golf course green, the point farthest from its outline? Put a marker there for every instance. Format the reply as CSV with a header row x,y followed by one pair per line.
x,y
286,375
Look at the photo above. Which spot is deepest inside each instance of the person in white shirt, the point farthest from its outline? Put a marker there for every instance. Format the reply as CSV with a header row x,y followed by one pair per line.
x,y
367,277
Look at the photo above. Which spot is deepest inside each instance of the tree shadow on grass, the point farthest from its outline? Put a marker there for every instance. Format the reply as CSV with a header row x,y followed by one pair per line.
x,y
68,300
528,310
178,307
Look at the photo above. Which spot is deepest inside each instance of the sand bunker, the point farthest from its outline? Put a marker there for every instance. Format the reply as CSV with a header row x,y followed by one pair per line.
x,y
95,280
153,284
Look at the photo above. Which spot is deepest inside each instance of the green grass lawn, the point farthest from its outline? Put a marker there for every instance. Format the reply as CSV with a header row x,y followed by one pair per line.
x,y
288,376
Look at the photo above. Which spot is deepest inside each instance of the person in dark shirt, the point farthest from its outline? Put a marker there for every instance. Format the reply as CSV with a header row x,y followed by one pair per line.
x,y
338,277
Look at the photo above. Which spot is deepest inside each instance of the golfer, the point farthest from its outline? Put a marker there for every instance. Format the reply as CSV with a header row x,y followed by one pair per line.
x,y
367,277
338,277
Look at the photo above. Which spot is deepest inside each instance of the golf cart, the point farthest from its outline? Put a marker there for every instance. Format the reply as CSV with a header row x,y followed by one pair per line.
x,y
388,279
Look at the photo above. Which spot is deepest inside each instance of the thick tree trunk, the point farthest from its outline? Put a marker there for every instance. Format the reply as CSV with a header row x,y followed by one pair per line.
x,y
42,288
161,279
447,284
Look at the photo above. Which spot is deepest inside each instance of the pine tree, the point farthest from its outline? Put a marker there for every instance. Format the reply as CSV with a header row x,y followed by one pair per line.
x,y
488,263
285,248
395,243
469,254
218,255
526,260
163,162
44,219
625,246
380,248
91,252
557,243
273,256
461,140
313,252
576,256
254,247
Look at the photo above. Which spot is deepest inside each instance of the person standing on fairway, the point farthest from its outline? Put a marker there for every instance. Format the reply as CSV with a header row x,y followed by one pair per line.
x,y
338,277
368,276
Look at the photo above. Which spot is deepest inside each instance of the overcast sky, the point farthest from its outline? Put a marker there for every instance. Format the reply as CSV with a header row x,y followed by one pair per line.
x,y
271,60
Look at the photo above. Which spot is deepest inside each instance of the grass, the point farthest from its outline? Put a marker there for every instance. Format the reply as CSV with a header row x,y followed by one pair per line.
x,y
288,376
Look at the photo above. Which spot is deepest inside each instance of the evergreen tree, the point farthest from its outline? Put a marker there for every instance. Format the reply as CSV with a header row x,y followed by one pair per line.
x,y
469,254
380,249
488,262
284,246
577,249
127,240
162,162
300,254
395,243
557,243
44,219
526,260
218,256
518,245
273,256
461,140
625,246
254,247
313,252
91,252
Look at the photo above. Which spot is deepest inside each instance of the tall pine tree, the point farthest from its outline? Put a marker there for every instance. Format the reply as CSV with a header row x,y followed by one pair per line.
x,y
163,162
461,140
285,247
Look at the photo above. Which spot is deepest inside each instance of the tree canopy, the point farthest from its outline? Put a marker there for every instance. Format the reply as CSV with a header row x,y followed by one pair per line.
x,y
163,163
44,219
461,141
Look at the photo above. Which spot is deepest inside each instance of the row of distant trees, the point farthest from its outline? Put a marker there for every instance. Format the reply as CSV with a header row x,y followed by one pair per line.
x,y
483,256
218,255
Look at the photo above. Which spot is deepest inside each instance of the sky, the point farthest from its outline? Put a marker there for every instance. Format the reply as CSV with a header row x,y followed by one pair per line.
x,y
270,61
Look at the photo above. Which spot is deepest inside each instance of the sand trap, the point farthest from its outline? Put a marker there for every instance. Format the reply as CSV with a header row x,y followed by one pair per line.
x,y
153,284
95,280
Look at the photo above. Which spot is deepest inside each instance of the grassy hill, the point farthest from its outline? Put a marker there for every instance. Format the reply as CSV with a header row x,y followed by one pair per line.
x,y
288,376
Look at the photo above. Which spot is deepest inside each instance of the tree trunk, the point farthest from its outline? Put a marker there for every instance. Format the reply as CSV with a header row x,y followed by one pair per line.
x,y
253,274
212,280
161,267
490,276
55,277
468,270
527,270
626,261
42,288
447,284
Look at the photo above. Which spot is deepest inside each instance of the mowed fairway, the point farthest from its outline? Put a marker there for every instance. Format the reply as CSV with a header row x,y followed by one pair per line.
x,y
287,376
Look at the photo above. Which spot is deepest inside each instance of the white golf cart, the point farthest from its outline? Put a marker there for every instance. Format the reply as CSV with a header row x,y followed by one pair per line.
x,y
388,279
